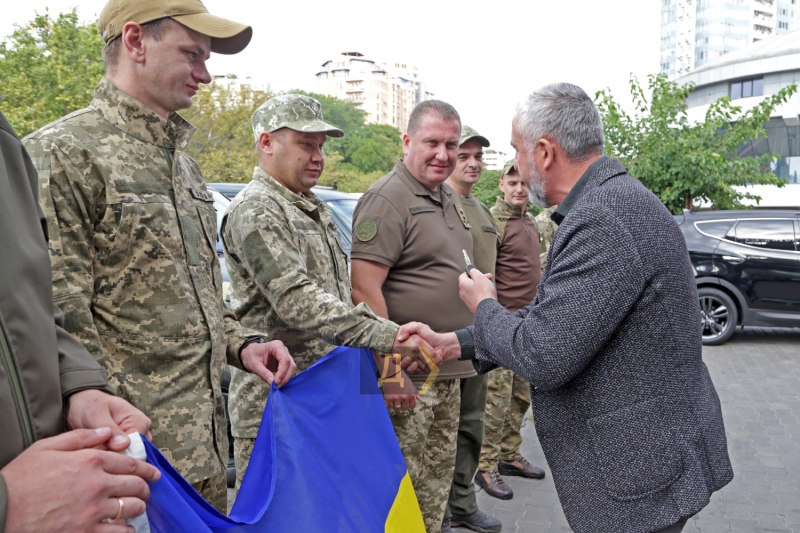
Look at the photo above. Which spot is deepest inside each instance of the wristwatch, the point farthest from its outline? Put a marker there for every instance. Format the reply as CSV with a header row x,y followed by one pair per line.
x,y
248,342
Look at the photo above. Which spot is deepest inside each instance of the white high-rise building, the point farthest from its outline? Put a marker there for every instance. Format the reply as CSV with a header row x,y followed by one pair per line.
x,y
694,32
386,90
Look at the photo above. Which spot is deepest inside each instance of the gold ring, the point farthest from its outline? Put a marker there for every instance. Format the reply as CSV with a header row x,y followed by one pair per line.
x,y
119,514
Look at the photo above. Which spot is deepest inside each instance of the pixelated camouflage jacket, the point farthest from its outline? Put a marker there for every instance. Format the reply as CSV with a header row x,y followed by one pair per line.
x,y
135,270
547,230
502,211
289,278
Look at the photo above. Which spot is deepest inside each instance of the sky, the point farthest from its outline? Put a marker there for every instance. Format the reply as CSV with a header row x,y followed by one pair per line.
x,y
481,57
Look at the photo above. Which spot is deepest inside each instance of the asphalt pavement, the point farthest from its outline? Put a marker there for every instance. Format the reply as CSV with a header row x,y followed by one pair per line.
x,y
757,376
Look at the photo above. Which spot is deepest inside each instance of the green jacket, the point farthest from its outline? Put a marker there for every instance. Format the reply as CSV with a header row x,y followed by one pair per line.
x,y
289,277
135,268
40,363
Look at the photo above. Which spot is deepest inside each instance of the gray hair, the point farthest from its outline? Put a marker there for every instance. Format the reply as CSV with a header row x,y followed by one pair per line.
x,y
441,110
564,113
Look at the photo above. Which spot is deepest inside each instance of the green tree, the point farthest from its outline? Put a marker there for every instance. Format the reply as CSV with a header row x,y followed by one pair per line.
x,y
48,68
223,144
364,154
683,162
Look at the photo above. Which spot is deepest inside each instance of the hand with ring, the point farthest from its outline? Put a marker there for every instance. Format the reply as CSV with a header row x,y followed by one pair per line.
x,y
71,483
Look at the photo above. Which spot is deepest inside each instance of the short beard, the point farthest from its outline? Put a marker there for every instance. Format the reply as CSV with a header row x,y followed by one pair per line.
x,y
536,188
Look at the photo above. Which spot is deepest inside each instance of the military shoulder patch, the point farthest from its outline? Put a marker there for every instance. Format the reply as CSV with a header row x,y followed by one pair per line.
x,y
366,230
463,216
202,195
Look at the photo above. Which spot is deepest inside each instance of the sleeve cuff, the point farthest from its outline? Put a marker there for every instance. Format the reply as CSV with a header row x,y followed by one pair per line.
x,y
384,339
467,343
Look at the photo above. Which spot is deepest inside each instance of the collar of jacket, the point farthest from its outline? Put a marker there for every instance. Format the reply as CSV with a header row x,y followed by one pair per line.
x,y
308,202
418,188
134,118
598,172
505,210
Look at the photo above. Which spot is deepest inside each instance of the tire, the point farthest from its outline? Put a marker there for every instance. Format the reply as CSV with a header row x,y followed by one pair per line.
x,y
719,315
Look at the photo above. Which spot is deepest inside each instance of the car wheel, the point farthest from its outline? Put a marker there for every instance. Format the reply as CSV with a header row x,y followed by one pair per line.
x,y
719,315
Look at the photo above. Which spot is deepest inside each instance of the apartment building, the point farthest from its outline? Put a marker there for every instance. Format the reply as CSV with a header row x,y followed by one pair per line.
x,y
386,90
694,32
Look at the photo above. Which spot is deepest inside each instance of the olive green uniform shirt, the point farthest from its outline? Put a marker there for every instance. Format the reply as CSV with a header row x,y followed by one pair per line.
x,y
419,234
135,270
289,277
485,239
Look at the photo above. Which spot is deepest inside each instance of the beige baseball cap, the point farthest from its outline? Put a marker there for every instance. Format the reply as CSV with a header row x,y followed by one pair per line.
x,y
227,37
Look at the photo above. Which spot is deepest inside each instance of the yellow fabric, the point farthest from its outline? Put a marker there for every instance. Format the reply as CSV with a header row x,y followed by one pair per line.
x,y
405,516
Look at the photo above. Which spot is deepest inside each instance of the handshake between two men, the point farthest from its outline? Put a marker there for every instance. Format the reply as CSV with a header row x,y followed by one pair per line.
x,y
418,349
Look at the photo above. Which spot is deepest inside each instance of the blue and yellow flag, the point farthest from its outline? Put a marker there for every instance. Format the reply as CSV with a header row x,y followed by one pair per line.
x,y
326,460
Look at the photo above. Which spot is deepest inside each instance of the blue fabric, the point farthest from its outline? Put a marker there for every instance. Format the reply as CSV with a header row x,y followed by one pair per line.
x,y
326,459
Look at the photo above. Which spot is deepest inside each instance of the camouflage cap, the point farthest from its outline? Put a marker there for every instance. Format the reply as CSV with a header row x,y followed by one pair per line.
x,y
293,111
227,37
508,167
468,133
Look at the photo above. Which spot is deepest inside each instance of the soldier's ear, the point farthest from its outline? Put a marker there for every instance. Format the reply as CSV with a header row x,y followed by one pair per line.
x,y
132,41
266,142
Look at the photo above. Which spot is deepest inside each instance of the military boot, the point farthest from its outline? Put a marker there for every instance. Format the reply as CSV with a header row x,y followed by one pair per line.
x,y
519,467
493,484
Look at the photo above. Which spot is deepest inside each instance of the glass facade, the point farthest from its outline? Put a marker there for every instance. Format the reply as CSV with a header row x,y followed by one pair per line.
x,y
722,26
668,34
783,140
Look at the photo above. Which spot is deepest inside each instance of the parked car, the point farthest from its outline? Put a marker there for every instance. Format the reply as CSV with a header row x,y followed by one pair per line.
x,y
747,268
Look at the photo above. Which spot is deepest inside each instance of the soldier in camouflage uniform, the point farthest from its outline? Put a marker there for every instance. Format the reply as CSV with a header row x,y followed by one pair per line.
x,y
133,230
517,275
288,271
547,230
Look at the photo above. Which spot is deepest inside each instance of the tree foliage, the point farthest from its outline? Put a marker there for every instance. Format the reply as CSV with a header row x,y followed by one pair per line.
x,y
364,154
48,68
223,144
682,162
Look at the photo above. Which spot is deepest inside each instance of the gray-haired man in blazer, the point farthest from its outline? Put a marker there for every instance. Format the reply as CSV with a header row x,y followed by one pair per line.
x,y
626,412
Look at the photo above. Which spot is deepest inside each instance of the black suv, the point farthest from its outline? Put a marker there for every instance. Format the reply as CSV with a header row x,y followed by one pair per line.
x,y
747,268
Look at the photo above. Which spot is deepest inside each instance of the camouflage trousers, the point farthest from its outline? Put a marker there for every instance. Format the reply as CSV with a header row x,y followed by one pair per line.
x,y
215,491
427,437
242,450
507,401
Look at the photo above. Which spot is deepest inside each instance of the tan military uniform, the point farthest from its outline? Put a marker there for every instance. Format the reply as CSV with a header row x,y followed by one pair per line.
x,y
462,499
518,274
420,234
289,278
132,244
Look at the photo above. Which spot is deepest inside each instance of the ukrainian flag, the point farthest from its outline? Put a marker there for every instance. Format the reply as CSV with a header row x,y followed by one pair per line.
x,y
326,460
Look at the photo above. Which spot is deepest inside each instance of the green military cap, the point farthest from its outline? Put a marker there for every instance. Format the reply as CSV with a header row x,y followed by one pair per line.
x,y
508,167
468,133
293,111
227,37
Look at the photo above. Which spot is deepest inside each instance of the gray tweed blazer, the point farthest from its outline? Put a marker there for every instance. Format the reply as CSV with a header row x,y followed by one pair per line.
x,y
625,410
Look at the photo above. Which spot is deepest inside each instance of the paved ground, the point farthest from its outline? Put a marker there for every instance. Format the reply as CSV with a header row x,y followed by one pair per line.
x,y
757,375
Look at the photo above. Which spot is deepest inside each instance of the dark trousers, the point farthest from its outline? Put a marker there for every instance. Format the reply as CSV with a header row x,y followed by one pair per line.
x,y
468,452
674,528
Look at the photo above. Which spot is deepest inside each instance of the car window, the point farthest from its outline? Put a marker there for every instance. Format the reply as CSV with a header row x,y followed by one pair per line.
x,y
344,208
775,234
715,228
